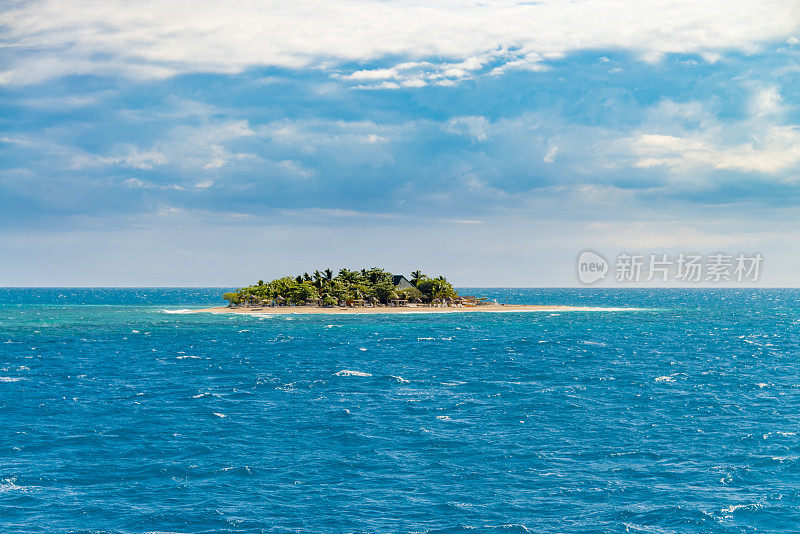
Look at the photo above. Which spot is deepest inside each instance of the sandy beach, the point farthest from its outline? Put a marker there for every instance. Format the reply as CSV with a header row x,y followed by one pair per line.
x,y
490,308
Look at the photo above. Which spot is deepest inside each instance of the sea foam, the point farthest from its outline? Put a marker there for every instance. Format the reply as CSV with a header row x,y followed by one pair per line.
x,y
347,372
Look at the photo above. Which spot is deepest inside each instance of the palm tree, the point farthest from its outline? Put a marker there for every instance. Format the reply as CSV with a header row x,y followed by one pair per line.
x,y
346,285
346,275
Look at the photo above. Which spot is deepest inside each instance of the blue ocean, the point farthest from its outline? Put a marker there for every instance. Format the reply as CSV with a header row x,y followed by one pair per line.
x,y
123,412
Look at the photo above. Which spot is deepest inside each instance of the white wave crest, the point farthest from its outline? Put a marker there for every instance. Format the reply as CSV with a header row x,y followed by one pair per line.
x,y
347,372
181,311
732,508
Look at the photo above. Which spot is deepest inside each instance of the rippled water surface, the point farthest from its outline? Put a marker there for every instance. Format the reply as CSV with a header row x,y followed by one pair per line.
x,y
120,415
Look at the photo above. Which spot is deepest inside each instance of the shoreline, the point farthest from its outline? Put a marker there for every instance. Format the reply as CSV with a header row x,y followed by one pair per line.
x,y
314,310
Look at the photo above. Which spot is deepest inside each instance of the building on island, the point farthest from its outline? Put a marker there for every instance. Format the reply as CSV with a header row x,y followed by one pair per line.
x,y
401,282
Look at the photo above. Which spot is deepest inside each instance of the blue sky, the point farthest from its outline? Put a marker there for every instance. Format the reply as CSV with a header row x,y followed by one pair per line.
x,y
198,144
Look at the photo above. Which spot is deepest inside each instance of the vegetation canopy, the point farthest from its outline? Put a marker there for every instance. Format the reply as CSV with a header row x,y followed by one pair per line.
x,y
347,287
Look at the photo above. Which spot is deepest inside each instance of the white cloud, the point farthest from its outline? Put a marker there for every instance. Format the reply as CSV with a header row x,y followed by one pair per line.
x,y
464,221
155,39
476,128
686,136
215,163
167,211
295,169
772,150
767,101
350,143
550,157
127,156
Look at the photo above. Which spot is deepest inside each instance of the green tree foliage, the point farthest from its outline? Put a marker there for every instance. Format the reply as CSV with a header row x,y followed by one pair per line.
x,y
410,294
347,285
383,290
436,288
233,298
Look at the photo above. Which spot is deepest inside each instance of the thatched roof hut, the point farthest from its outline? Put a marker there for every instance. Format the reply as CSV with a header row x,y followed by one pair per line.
x,y
400,282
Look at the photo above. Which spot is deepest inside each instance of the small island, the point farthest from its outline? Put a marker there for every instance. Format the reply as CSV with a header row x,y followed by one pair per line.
x,y
371,290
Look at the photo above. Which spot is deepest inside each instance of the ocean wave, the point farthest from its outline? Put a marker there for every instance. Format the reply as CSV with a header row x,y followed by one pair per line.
x,y
347,372
9,485
734,507
180,311
11,378
779,433
204,395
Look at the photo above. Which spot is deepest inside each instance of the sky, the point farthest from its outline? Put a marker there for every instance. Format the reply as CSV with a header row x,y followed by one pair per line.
x,y
211,143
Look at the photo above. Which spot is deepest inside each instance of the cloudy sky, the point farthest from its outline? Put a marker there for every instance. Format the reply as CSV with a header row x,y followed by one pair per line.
x,y
213,143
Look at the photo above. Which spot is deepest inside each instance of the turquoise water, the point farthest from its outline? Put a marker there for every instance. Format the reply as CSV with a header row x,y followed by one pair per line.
x,y
120,415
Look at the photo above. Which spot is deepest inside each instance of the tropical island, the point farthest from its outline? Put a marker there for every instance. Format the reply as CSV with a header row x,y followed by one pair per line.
x,y
371,290
367,287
